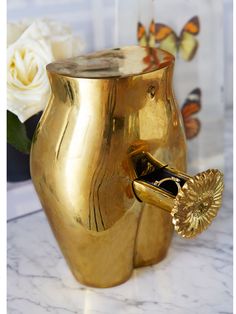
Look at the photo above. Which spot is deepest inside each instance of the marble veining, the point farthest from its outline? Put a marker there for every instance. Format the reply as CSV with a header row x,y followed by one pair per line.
x,y
195,277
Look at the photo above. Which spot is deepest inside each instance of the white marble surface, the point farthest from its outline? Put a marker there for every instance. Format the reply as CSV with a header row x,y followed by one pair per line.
x,y
21,199
195,277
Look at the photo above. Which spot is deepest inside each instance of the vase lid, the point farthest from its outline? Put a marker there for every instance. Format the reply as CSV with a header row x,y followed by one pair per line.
x,y
118,62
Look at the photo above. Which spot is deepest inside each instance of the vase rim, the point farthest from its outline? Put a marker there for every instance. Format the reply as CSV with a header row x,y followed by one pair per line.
x,y
113,63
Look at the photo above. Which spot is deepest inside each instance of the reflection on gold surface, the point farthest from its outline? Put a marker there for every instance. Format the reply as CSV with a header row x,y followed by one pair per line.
x,y
193,202
120,62
104,110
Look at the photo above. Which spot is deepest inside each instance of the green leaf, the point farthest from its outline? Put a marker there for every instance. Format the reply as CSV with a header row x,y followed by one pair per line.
x,y
16,133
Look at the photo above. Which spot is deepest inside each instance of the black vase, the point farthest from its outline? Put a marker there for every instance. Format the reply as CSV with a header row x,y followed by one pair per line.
x,y
18,168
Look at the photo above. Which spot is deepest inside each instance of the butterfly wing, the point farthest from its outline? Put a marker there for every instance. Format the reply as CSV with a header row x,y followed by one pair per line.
x,y
162,31
192,26
192,103
166,38
191,106
142,35
188,44
170,44
152,33
148,41
192,128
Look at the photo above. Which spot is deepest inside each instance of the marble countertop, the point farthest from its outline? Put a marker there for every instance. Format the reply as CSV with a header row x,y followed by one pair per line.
x,y
195,277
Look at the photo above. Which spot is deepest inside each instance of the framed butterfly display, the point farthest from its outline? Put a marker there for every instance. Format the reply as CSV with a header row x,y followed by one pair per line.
x,y
191,31
192,106
185,45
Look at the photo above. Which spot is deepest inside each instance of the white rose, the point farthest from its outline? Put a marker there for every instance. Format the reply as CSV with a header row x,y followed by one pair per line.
x,y
14,31
31,48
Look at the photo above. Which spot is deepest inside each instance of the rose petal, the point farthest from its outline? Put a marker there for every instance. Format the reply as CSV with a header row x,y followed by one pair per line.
x,y
14,31
31,48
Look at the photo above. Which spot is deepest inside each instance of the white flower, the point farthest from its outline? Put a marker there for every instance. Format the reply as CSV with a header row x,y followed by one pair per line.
x,y
30,49
14,30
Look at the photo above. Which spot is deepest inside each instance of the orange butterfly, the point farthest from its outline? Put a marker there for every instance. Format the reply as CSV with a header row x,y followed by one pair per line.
x,y
185,44
148,40
191,106
144,39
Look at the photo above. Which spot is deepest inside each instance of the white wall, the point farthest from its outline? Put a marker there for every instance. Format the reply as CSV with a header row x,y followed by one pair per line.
x,y
228,51
95,21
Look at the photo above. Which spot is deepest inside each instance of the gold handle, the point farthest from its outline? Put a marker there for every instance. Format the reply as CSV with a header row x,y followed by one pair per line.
x,y
172,179
193,202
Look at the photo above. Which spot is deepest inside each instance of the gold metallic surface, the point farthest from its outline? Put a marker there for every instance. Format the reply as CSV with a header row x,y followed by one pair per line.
x,y
193,202
198,202
105,110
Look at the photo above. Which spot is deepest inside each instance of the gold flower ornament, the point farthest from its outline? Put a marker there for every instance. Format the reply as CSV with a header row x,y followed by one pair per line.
x,y
197,203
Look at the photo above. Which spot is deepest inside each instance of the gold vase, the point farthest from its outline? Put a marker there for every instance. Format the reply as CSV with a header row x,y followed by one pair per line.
x,y
108,162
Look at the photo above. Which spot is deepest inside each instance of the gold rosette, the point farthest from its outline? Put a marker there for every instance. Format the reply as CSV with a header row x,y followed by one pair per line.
x,y
197,203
